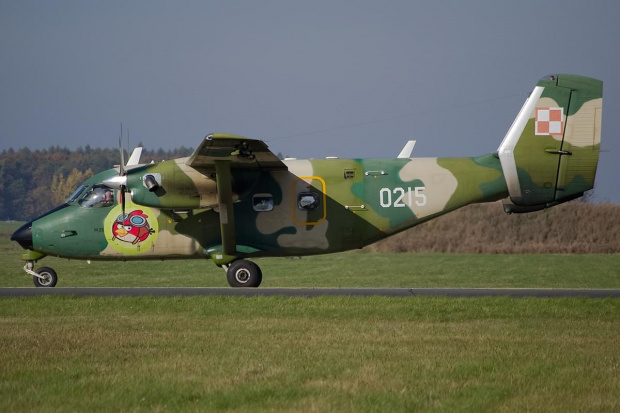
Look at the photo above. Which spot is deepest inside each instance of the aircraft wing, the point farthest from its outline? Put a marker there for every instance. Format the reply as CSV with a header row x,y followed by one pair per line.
x,y
224,153
241,152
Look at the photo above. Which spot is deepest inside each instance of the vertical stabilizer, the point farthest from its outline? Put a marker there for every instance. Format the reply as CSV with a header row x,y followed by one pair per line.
x,y
550,153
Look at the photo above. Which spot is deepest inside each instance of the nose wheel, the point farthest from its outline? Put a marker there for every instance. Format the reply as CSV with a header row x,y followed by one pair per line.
x,y
43,277
244,273
46,277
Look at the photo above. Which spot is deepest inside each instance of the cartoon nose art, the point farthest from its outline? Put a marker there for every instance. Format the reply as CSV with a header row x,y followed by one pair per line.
x,y
132,227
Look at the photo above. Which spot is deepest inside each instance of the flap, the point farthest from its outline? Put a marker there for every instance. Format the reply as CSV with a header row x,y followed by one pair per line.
x,y
240,151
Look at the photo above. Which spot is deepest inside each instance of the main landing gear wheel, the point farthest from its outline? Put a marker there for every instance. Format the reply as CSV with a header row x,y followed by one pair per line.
x,y
49,277
243,273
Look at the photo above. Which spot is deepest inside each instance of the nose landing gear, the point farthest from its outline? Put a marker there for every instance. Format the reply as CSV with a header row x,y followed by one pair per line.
x,y
43,277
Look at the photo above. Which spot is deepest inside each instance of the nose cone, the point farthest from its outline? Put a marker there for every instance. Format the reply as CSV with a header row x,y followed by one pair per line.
x,y
23,236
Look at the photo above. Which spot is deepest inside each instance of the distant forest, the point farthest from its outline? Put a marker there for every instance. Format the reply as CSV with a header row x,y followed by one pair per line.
x,y
33,182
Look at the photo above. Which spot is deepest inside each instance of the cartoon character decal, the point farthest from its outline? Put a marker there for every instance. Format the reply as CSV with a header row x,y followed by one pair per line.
x,y
133,227
134,232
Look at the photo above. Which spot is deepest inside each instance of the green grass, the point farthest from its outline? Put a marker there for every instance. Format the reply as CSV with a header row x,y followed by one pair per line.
x,y
351,269
322,354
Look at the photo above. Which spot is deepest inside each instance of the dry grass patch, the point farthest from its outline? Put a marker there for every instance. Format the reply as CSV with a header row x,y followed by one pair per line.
x,y
571,228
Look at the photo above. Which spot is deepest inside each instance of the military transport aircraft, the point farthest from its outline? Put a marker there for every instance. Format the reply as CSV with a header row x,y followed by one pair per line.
x,y
233,199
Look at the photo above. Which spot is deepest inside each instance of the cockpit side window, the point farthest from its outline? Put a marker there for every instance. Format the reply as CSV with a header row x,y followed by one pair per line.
x,y
96,197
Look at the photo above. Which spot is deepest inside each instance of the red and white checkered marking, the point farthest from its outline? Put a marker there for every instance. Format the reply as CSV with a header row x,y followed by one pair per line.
x,y
549,121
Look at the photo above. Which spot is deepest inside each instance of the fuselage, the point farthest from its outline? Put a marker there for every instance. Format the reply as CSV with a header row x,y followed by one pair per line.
x,y
233,198
314,207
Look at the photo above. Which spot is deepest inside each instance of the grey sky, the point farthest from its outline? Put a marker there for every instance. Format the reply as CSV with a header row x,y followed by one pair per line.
x,y
451,74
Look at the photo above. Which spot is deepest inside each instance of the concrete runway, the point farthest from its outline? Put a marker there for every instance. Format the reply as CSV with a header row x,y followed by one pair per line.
x,y
307,292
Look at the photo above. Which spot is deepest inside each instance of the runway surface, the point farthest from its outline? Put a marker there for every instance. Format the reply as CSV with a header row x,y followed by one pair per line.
x,y
306,292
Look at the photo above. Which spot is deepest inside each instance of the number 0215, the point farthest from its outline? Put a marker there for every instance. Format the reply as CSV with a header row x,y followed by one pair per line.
x,y
402,197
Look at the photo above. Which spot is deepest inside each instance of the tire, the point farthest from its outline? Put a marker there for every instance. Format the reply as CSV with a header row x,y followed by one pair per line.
x,y
50,280
243,273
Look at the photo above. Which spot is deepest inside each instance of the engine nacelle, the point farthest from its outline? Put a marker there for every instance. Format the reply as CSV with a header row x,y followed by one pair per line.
x,y
171,185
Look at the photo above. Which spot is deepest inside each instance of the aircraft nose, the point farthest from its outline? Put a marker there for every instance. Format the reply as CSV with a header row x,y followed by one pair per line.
x,y
23,236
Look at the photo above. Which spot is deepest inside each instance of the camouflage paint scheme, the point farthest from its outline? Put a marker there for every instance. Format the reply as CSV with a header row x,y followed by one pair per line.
x,y
256,212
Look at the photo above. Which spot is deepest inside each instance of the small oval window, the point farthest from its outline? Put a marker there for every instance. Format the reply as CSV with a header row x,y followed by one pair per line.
x,y
262,202
308,201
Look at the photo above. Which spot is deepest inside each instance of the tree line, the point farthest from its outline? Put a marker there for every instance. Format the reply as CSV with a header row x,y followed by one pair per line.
x,y
33,182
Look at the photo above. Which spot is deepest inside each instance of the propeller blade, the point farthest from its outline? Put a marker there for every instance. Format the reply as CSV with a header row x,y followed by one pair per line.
x,y
123,199
120,148
122,178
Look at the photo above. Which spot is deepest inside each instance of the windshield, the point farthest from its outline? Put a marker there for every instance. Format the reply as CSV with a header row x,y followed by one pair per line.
x,y
97,196
76,194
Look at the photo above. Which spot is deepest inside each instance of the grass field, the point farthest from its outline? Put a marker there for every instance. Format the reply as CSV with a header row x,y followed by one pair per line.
x,y
320,354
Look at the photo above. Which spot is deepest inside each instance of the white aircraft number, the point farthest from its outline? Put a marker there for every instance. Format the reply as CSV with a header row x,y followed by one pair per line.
x,y
402,197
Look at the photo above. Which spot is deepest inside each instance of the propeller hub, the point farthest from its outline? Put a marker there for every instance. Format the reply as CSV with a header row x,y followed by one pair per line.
x,y
116,182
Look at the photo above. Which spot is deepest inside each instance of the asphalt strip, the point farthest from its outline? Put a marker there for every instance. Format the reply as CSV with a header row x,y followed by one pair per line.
x,y
307,292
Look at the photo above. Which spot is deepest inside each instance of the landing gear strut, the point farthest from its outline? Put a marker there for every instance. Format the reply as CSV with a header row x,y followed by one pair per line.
x,y
43,277
244,273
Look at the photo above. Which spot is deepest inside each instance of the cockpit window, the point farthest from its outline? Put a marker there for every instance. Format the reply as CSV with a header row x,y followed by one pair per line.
x,y
97,196
76,194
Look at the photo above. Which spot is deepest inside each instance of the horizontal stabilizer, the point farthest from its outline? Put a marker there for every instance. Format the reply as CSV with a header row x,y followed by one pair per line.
x,y
407,150
134,159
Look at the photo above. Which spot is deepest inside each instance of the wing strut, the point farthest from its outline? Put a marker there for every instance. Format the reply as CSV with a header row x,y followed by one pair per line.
x,y
227,214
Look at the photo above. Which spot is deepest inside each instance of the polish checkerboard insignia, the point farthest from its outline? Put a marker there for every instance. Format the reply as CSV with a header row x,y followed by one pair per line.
x,y
549,121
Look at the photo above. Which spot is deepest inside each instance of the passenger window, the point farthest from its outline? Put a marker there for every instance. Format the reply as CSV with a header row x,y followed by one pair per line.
x,y
262,202
98,196
308,201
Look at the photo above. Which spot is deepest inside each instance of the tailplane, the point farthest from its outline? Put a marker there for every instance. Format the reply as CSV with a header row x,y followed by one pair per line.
x,y
550,152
